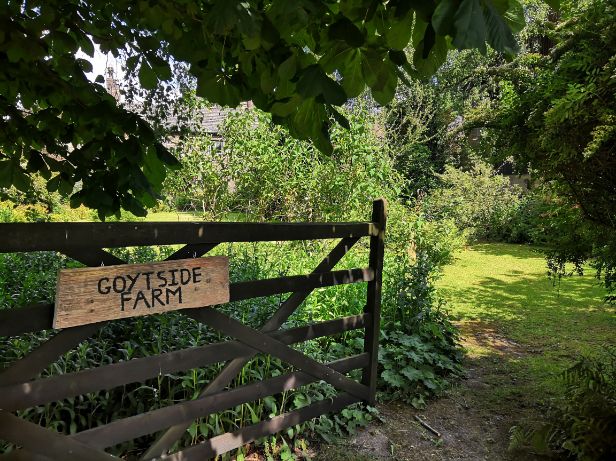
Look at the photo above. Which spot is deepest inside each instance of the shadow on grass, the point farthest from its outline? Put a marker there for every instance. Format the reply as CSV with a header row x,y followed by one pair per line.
x,y
522,297
508,249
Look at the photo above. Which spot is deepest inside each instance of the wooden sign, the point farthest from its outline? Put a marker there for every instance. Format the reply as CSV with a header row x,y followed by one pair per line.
x,y
94,294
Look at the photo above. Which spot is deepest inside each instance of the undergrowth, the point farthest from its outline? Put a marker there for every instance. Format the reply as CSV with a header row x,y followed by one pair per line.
x,y
581,425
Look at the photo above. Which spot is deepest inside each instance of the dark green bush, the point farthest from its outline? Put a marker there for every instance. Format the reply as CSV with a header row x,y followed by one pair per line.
x,y
582,424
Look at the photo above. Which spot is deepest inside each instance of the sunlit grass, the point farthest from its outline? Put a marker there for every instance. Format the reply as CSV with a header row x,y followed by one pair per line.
x,y
173,216
505,289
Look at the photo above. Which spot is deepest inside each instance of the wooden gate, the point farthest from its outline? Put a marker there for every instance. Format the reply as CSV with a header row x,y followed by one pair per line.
x,y
85,242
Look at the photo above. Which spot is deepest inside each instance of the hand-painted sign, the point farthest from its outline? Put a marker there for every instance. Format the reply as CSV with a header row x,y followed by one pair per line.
x,y
94,294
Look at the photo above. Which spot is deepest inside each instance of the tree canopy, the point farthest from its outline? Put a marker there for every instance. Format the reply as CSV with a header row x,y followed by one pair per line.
x,y
552,110
296,59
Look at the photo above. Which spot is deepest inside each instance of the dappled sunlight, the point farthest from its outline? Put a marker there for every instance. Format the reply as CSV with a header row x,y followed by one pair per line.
x,y
508,310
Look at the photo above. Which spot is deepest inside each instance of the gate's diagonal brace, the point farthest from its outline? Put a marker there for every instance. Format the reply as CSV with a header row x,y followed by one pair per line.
x,y
266,344
45,442
230,371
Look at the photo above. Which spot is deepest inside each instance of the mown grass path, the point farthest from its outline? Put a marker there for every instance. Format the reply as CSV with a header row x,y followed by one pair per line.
x,y
520,332
501,292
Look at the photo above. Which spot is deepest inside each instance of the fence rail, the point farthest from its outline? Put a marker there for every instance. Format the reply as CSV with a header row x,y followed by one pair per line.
x,y
21,387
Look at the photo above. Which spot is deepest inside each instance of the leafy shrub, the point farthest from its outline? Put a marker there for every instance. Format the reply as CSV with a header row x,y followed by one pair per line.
x,y
27,278
37,212
265,174
582,425
479,201
420,347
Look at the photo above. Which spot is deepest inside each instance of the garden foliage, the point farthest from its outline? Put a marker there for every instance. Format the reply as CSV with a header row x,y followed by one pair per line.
x,y
280,54
551,110
582,423
254,182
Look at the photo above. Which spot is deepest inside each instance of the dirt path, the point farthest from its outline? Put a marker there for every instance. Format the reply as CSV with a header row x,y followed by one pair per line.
x,y
473,419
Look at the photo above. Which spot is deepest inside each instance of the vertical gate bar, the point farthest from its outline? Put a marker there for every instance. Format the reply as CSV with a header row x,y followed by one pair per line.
x,y
373,304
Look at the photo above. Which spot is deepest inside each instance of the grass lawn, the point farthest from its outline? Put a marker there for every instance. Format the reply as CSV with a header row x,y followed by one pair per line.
x,y
509,310
173,216
191,216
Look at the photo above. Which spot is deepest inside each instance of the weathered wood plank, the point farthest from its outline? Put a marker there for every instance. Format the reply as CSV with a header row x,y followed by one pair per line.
x,y
194,250
26,319
40,316
267,344
91,256
39,440
95,294
40,358
51,236
373,304
268,287
152,421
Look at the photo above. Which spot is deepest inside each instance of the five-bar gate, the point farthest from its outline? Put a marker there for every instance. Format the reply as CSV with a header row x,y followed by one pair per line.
x,y
21,388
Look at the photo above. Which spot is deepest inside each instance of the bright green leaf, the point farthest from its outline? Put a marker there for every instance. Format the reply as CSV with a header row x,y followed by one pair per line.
x,y
147,76
499,34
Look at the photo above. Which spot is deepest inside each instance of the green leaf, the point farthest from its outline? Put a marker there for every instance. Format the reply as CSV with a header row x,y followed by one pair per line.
x,y
335,56
218,89
310,122
352,78
286,107
147,76
399,33
435,59
397,57
412,373
341,119
470,26
499,34
12,174
287,69
385,93
394,379
371,66
268,81
428,41
65,186
443,17
514,16
36,163
163,70
555,4
314,82
345,30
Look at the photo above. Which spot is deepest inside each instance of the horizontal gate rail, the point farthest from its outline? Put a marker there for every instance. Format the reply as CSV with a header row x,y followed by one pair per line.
x,y
226,442
86,242
155,420
11,320
169,437
52,236
25,395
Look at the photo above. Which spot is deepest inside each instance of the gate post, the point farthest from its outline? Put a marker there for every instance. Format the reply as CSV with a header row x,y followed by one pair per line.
x,y
373,304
